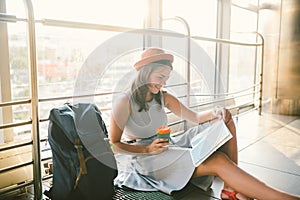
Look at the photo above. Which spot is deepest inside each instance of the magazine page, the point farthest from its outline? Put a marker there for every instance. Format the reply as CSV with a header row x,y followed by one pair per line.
x,y
208,141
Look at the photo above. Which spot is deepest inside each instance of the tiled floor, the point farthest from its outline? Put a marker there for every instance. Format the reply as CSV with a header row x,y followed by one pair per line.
x,y
269,148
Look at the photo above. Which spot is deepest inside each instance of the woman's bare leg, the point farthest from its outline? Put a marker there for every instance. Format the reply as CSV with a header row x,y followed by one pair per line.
x,y
220,165
230,147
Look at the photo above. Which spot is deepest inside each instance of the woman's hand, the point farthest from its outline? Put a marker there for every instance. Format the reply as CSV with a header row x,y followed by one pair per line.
x,y
157,146
222,113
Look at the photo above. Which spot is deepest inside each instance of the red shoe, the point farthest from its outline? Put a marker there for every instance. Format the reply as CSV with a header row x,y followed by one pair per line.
x,y
231,195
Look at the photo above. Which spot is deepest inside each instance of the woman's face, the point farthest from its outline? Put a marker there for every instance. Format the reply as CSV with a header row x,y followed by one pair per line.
x,y
158,78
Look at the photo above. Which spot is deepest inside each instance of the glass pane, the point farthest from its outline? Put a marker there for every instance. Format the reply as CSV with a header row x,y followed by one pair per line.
x,y
18,58
201,16
242,58
61,54
15,7
243,20
15,82
113,12
242,71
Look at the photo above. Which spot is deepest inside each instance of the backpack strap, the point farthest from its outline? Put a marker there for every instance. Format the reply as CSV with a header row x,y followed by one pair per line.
x,y
83,170
85,161
79,147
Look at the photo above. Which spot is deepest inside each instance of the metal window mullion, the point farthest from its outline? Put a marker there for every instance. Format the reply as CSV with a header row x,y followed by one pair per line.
x,y
222,52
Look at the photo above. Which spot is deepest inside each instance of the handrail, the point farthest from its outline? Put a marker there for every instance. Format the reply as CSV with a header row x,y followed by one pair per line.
x,y
7,18
11,18
15,187
217,101
16,146
15,167
118,28
228,93
10,125
225,41
83,25
75,96
37,175
233,97
12,103
198,105
90,26
110,93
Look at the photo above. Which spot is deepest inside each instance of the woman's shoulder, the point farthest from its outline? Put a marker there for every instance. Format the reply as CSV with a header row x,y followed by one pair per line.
x,y
167,95
169,98
121,99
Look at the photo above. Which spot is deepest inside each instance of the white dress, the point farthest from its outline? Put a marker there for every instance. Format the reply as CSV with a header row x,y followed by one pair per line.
x,y
168,171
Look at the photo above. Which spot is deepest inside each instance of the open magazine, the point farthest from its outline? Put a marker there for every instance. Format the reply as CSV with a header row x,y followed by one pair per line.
x,y
208,141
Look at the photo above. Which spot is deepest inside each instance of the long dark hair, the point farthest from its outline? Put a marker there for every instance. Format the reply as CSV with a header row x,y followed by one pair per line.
x,y
139,87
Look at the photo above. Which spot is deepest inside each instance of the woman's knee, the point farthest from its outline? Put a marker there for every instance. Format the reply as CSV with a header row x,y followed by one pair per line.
x,y
212,165
219,162
217,159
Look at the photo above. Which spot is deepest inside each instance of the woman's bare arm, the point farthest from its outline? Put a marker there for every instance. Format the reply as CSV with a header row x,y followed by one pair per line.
x,y
174,105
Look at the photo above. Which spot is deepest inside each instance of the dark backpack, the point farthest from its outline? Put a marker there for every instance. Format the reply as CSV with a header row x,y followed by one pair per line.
x,y
83,163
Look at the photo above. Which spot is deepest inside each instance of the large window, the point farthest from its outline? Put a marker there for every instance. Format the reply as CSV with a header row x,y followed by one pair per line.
x,y
68,32
61,51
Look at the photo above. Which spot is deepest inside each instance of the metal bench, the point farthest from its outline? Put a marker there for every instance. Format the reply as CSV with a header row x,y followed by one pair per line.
x,y
129,194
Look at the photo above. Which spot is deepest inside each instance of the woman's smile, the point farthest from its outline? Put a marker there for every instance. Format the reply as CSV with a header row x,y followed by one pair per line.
x,y
154,88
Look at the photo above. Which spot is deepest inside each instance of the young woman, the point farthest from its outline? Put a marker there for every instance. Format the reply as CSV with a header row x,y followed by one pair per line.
x,y
146,163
